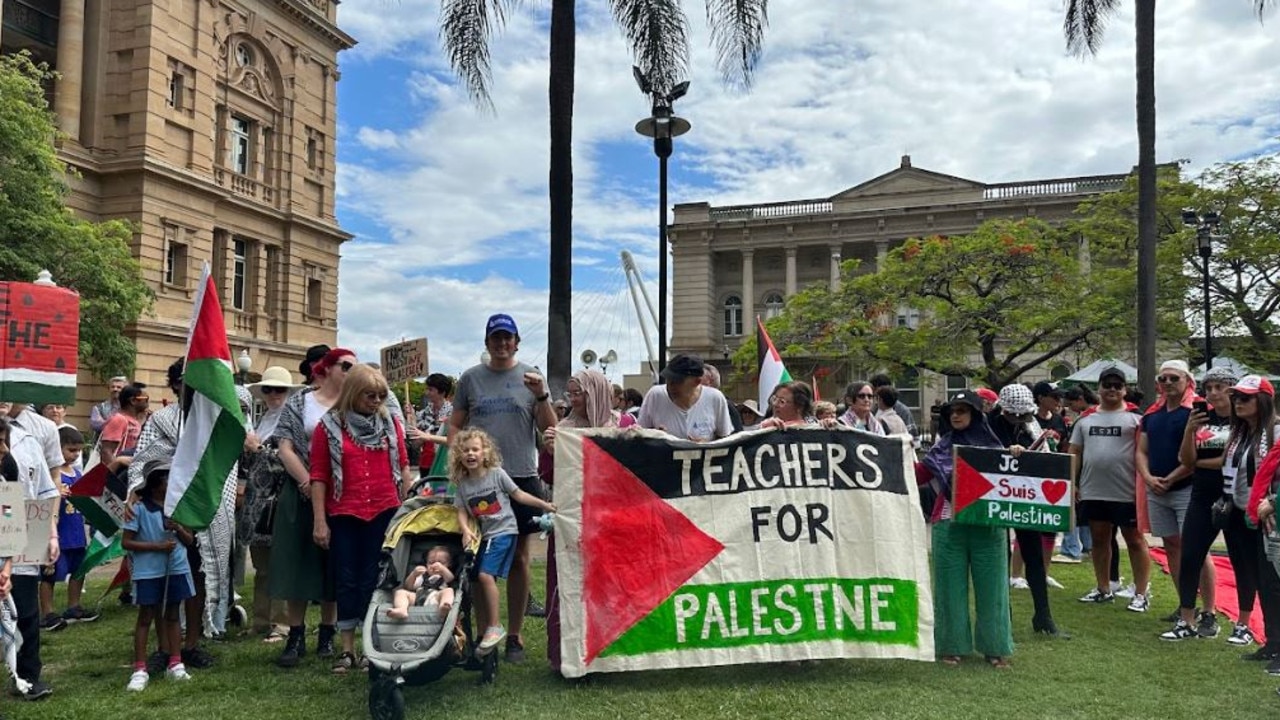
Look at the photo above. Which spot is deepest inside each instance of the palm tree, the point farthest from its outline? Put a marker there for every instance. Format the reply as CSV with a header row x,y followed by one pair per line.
x,y
657,31
1083,26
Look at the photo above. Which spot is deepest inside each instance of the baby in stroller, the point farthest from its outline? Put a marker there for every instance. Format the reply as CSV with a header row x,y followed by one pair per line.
x,y
430,581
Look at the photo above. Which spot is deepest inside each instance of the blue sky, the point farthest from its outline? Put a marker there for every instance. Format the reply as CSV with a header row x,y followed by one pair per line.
x,y
448,202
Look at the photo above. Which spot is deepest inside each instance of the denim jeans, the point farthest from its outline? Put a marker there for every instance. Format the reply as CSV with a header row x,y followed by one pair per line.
x,y
1076,542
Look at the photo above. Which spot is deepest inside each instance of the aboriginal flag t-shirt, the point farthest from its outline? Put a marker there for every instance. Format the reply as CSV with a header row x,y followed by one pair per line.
x,y
488,500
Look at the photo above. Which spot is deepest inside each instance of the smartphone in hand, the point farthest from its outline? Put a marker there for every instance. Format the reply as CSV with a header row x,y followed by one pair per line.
x,y
1200,406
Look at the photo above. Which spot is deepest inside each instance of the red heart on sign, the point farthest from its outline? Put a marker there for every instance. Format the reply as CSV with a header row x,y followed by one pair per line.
x,y
1053,490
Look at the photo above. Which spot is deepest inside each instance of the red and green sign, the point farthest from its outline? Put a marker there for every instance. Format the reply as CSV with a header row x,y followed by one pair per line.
x,y
763,547
1032,491
39,342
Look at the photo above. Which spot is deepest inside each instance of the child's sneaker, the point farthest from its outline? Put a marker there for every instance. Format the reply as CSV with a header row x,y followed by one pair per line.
x,y
53,622
1139,603
1181,631
492,637
78,614
1241,635
138,681
177,671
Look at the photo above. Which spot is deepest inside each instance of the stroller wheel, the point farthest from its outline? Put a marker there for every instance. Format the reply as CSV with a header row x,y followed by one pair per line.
x,y
386,700
489,668
237,617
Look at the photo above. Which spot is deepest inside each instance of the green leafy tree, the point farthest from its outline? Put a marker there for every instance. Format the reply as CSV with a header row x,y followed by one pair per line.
x,y
38,232
991,305
1083,25
1244,269
657,32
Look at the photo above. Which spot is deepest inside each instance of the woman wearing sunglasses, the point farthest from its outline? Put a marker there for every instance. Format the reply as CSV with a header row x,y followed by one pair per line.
x,y
301,567
1253,431
860,401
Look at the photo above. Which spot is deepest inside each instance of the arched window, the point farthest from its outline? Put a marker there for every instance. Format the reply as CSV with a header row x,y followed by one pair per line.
x,y
773,304
1061,371
733,316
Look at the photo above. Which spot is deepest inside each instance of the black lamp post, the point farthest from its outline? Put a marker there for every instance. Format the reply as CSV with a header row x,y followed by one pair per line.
x,y
662,126
1205,224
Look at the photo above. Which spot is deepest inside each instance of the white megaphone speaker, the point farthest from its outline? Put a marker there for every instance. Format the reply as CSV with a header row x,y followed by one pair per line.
x,y
609,358
588,357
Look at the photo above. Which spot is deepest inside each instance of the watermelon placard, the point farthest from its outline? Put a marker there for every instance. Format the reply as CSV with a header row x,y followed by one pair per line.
x,y
761,547
1032,491
39,342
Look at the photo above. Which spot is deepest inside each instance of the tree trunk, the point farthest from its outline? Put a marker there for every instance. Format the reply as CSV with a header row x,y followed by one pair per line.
x,y
1146,112
560,184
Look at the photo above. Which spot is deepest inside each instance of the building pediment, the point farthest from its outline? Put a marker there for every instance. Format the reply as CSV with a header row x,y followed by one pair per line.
x,y
907,186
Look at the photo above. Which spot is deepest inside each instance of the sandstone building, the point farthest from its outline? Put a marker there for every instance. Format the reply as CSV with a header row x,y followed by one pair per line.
x,y
209,125
733,263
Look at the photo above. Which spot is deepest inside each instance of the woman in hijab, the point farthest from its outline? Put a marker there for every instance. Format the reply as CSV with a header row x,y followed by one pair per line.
x,y
590,399
964,551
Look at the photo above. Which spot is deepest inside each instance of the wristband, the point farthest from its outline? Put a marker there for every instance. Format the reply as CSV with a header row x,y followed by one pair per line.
x,y
543,397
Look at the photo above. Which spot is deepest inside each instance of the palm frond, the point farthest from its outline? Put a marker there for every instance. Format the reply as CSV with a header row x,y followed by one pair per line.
x,y
466,27
737,32
658,33
1084,22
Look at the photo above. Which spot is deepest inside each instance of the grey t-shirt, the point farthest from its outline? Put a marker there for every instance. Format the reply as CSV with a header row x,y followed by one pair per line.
x,y
498,402
488,500
707,419
1107,469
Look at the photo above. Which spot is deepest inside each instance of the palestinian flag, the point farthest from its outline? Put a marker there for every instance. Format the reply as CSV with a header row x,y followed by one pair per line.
x,y
772,371
99,497
213,427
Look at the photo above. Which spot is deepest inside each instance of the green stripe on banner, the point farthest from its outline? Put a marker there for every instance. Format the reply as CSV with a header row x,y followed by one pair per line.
x,y
101,550
213,379
37,393
882,611
1029,516
96,515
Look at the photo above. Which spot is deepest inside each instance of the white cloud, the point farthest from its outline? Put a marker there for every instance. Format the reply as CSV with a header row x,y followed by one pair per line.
x,y
982,90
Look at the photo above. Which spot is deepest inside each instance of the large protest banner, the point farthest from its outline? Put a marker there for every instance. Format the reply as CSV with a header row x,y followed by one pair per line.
x,y
1031,491
39,343
761,547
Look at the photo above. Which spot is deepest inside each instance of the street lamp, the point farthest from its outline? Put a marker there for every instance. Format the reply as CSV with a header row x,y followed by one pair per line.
x,y
244,362
662,125
1205,224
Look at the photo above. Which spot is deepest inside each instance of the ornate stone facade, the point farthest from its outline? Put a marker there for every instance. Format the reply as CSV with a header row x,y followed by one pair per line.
x,y
210,125
731,264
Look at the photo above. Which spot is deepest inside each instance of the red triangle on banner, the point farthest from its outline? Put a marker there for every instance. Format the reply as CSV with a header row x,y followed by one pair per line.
x,y
91,484
970,485
636,548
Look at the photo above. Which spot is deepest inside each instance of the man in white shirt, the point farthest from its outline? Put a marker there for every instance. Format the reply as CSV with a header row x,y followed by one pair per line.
x,y
684,407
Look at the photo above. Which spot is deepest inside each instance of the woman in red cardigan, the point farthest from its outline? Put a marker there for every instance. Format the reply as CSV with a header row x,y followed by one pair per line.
x,y
359,474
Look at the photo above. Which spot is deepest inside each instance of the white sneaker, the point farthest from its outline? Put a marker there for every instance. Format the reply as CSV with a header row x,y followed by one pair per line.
x,y
1128,591
1139,603
178,672
1053,583
138,681
492,637
1018,583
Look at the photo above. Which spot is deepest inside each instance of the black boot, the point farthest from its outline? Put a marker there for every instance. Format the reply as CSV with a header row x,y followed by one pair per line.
x,y
324,643
295,647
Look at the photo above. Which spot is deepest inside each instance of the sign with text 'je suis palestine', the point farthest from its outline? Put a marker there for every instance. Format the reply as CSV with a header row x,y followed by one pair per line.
x,y
1031,491
763,547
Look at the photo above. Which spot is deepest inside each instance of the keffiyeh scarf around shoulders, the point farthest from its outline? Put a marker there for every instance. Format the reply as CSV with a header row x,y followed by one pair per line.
x,y
374,432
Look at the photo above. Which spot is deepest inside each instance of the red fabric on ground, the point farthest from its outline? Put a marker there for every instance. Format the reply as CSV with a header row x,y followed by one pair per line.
x,y
1226,591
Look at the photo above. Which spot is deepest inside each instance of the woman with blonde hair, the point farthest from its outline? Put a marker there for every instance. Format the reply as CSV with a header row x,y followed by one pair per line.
x,y
359,474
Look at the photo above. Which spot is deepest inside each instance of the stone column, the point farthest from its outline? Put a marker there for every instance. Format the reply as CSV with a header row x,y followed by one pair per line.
x,y
882,252
748,288
66,97
835,267
791,270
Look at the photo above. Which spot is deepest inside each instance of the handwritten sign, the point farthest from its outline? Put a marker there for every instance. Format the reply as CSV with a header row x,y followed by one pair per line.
x,y
1031,491
39,342
39,530
405,361
13,519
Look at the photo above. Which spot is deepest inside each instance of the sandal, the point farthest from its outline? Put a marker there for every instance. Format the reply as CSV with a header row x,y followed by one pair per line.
x,y
344,664
999,663
275,635
950,660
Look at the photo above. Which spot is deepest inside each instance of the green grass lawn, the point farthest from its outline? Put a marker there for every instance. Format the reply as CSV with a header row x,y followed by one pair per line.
x,y
1115,667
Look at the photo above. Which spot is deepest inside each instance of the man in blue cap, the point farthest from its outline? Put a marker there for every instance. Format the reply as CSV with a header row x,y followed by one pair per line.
x,y
509,400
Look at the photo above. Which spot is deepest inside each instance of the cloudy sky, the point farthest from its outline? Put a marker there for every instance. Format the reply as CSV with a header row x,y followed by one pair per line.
x,y
449,203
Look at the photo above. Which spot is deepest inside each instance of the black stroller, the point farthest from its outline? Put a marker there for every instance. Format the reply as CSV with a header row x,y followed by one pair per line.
x,y
423,647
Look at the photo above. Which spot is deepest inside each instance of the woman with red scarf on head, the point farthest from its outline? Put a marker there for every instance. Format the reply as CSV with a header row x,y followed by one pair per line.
x,y
299,568
590,399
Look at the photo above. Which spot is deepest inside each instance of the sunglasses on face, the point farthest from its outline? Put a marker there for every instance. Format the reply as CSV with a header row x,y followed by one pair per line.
x,y
1169,379
346,365
1112,386
865,396
372,395
1241,397
268,390
1020,417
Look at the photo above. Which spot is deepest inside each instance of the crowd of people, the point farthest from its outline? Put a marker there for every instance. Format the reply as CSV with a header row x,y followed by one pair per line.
x,y
328,461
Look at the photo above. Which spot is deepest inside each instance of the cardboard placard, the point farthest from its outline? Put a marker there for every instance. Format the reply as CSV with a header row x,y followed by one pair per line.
x,y
1033,491
13,519
39,530
404,361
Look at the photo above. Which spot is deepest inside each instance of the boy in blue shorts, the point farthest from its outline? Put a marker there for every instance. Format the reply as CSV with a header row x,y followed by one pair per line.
x,y
73,538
